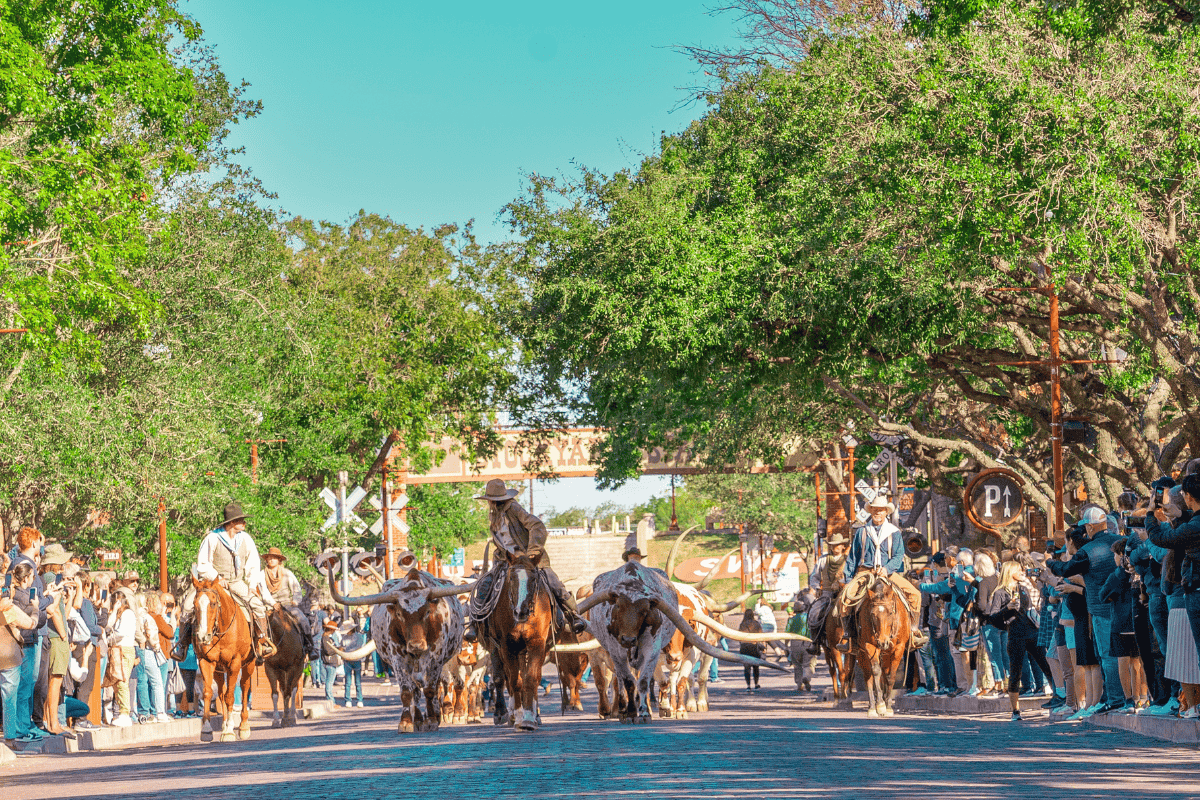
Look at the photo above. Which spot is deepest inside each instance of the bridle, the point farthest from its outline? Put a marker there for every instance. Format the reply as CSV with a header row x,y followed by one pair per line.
x,y
206,639
523,591
879,610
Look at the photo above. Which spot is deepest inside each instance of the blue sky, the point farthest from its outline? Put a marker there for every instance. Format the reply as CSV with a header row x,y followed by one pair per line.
x,y
432,113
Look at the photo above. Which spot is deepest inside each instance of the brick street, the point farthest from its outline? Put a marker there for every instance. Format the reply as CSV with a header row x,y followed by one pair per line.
x,y
772,744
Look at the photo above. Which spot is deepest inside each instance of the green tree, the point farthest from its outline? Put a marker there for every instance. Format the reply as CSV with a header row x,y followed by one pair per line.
x,y
822,246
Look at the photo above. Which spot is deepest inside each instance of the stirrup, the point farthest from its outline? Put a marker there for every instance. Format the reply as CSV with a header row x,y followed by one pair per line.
x,y
843,645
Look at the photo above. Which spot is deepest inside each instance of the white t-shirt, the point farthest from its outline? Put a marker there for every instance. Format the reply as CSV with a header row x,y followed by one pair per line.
x,y
125,630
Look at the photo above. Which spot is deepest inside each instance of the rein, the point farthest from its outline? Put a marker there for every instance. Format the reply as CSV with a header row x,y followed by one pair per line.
x,y
219,635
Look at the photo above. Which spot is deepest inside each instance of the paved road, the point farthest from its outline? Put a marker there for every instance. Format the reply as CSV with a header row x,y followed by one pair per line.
x,y
773,744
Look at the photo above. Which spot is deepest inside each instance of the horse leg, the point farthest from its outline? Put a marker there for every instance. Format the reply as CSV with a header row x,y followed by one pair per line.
x,y
880,689
243,730
206,692
499,705
527,682
275,680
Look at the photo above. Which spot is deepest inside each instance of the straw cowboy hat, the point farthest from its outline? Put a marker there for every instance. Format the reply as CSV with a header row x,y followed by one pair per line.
x,y
274,551
55,554
233,513
879,501
497,492
836,539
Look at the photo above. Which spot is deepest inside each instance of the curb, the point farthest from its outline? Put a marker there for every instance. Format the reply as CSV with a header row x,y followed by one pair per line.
x,y
136,735
965,704
7,757
1172,729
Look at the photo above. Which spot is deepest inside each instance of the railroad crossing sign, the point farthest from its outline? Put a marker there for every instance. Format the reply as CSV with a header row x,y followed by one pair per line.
x,y
880,461
395,524
348,515
994,499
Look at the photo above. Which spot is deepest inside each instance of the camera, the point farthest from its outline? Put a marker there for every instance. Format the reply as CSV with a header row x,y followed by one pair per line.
x,y
1135,522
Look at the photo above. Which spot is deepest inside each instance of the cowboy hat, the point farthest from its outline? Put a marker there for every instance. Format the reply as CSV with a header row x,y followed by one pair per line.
x,y
836,539
497,492
633,551
349,626
330,624
274,551
131,575
233,513
879,501
55,554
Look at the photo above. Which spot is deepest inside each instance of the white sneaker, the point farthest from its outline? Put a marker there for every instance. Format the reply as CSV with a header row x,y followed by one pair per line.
x,y
1191,713
348,704
165,718
360,703
122,721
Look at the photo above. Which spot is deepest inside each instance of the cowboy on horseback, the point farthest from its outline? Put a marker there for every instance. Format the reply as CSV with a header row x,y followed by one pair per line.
x,y
520,534
829,579
877,550
228,552
284,586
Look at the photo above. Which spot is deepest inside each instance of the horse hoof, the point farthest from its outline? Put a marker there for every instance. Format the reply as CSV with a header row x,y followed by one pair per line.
x,y
277,723
243,734
206,736
228,737
643,719
404,727
577,706
887,712
871,712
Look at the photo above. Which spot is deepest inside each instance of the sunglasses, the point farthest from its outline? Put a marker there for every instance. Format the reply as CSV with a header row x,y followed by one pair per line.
x,y
170,605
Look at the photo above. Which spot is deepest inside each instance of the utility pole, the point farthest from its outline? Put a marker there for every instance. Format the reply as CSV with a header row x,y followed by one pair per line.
x,y
343,479
894,486
163,585
254,443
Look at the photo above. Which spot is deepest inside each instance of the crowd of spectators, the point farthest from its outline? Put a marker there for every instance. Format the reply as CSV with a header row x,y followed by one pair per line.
x,y
1108,622
80,649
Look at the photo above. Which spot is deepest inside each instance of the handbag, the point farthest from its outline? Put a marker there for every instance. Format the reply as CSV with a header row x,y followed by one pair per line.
x,y
175,684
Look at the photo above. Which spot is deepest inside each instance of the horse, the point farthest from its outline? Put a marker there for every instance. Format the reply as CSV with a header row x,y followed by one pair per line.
x,y
841,665
517,632
883,635
224,649
286,667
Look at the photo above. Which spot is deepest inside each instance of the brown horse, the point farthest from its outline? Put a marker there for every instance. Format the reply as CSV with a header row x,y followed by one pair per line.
x,y
286,667
517,633
222,640
841,665
883,636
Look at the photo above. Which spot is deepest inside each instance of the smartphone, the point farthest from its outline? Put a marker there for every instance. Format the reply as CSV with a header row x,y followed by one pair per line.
x,y
103,595
7,585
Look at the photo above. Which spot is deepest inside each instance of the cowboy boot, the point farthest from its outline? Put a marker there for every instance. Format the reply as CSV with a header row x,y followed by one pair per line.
x,y
569,617
843,644
918,639
263,645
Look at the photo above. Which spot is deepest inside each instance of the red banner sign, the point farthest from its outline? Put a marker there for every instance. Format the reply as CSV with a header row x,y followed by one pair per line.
x,y
730,566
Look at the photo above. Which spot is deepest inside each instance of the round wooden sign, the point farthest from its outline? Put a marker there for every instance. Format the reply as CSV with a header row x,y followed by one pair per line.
x,y
994,498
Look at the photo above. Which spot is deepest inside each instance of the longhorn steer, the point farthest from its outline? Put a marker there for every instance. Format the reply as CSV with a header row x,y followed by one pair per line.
x,y
636,613
462,681
417,626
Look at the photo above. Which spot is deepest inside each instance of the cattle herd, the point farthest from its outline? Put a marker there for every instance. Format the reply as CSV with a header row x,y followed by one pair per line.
x,y
645,633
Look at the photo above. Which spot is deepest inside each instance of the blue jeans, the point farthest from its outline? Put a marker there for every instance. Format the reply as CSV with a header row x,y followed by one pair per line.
x,y
154,684
70,708
1102,638
943,662
139,686
928,669
994,641
164,673
10,687
317,670
354,674
29,673
329,674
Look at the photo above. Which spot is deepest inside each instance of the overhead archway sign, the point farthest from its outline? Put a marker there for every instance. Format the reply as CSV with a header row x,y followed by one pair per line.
x,y
994,499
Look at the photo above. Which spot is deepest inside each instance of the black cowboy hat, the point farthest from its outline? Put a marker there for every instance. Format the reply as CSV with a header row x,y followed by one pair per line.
x,y
633,551
233,513
497,492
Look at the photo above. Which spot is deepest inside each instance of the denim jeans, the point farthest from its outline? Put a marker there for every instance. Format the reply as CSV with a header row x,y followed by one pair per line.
x,y
1102,638
943,662
10,686
317,672
994,641
70,708
927,671
329,674
354,674
164,673
154,684
29,674
139,686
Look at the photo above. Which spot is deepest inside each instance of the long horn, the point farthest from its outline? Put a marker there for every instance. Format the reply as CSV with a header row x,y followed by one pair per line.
x,y
576,647
367,600
447,591
737,601
355,655
708,577
695,640
675,549
594,600
743,636
374,573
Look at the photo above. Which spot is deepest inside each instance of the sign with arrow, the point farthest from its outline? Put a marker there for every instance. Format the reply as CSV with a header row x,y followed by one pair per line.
x,y
994,499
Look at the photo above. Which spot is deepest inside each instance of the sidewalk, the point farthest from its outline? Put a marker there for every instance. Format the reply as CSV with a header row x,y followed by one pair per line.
x,y
1172,729
965,704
